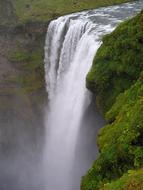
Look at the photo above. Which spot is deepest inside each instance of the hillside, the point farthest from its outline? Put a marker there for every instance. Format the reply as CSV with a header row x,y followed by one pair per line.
x,y
23,26
45,10
116,78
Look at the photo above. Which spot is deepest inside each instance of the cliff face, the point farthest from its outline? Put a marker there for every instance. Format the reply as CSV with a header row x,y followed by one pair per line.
x,y
22,92
23,26
7,14
116,78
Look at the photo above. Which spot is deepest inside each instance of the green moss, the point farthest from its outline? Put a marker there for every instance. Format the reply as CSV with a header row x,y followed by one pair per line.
x,y
133,180
31,65
118,62
116,78
121,142
45,10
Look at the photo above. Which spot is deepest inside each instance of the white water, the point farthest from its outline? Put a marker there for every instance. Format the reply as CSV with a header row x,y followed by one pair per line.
x,y
71,43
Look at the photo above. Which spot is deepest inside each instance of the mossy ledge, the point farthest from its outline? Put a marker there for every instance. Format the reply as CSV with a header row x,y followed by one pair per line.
x,y
116,78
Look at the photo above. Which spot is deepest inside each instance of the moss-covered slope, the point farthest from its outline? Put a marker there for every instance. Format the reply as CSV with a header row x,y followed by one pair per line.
x,y
133,180
118,62
117,80
45,10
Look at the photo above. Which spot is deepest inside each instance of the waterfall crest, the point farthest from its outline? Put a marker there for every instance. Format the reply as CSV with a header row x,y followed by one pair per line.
x,y
71,44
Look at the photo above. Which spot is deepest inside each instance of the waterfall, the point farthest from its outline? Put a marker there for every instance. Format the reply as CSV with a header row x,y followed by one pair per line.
x,y
71,44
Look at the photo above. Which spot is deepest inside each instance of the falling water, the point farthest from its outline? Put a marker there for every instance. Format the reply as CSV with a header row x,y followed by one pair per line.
x,y
71,44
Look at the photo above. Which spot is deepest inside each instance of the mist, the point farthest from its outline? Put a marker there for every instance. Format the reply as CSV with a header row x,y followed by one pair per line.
x,y
48,137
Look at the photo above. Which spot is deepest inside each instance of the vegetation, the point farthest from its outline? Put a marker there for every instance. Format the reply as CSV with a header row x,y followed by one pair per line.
x,y
45,10
133,180
30,18
117,79
31,78
118,62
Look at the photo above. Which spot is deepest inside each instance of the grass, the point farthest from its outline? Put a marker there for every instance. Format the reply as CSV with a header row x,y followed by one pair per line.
x,y
118,62
116,78
133,180
45,10
31,77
